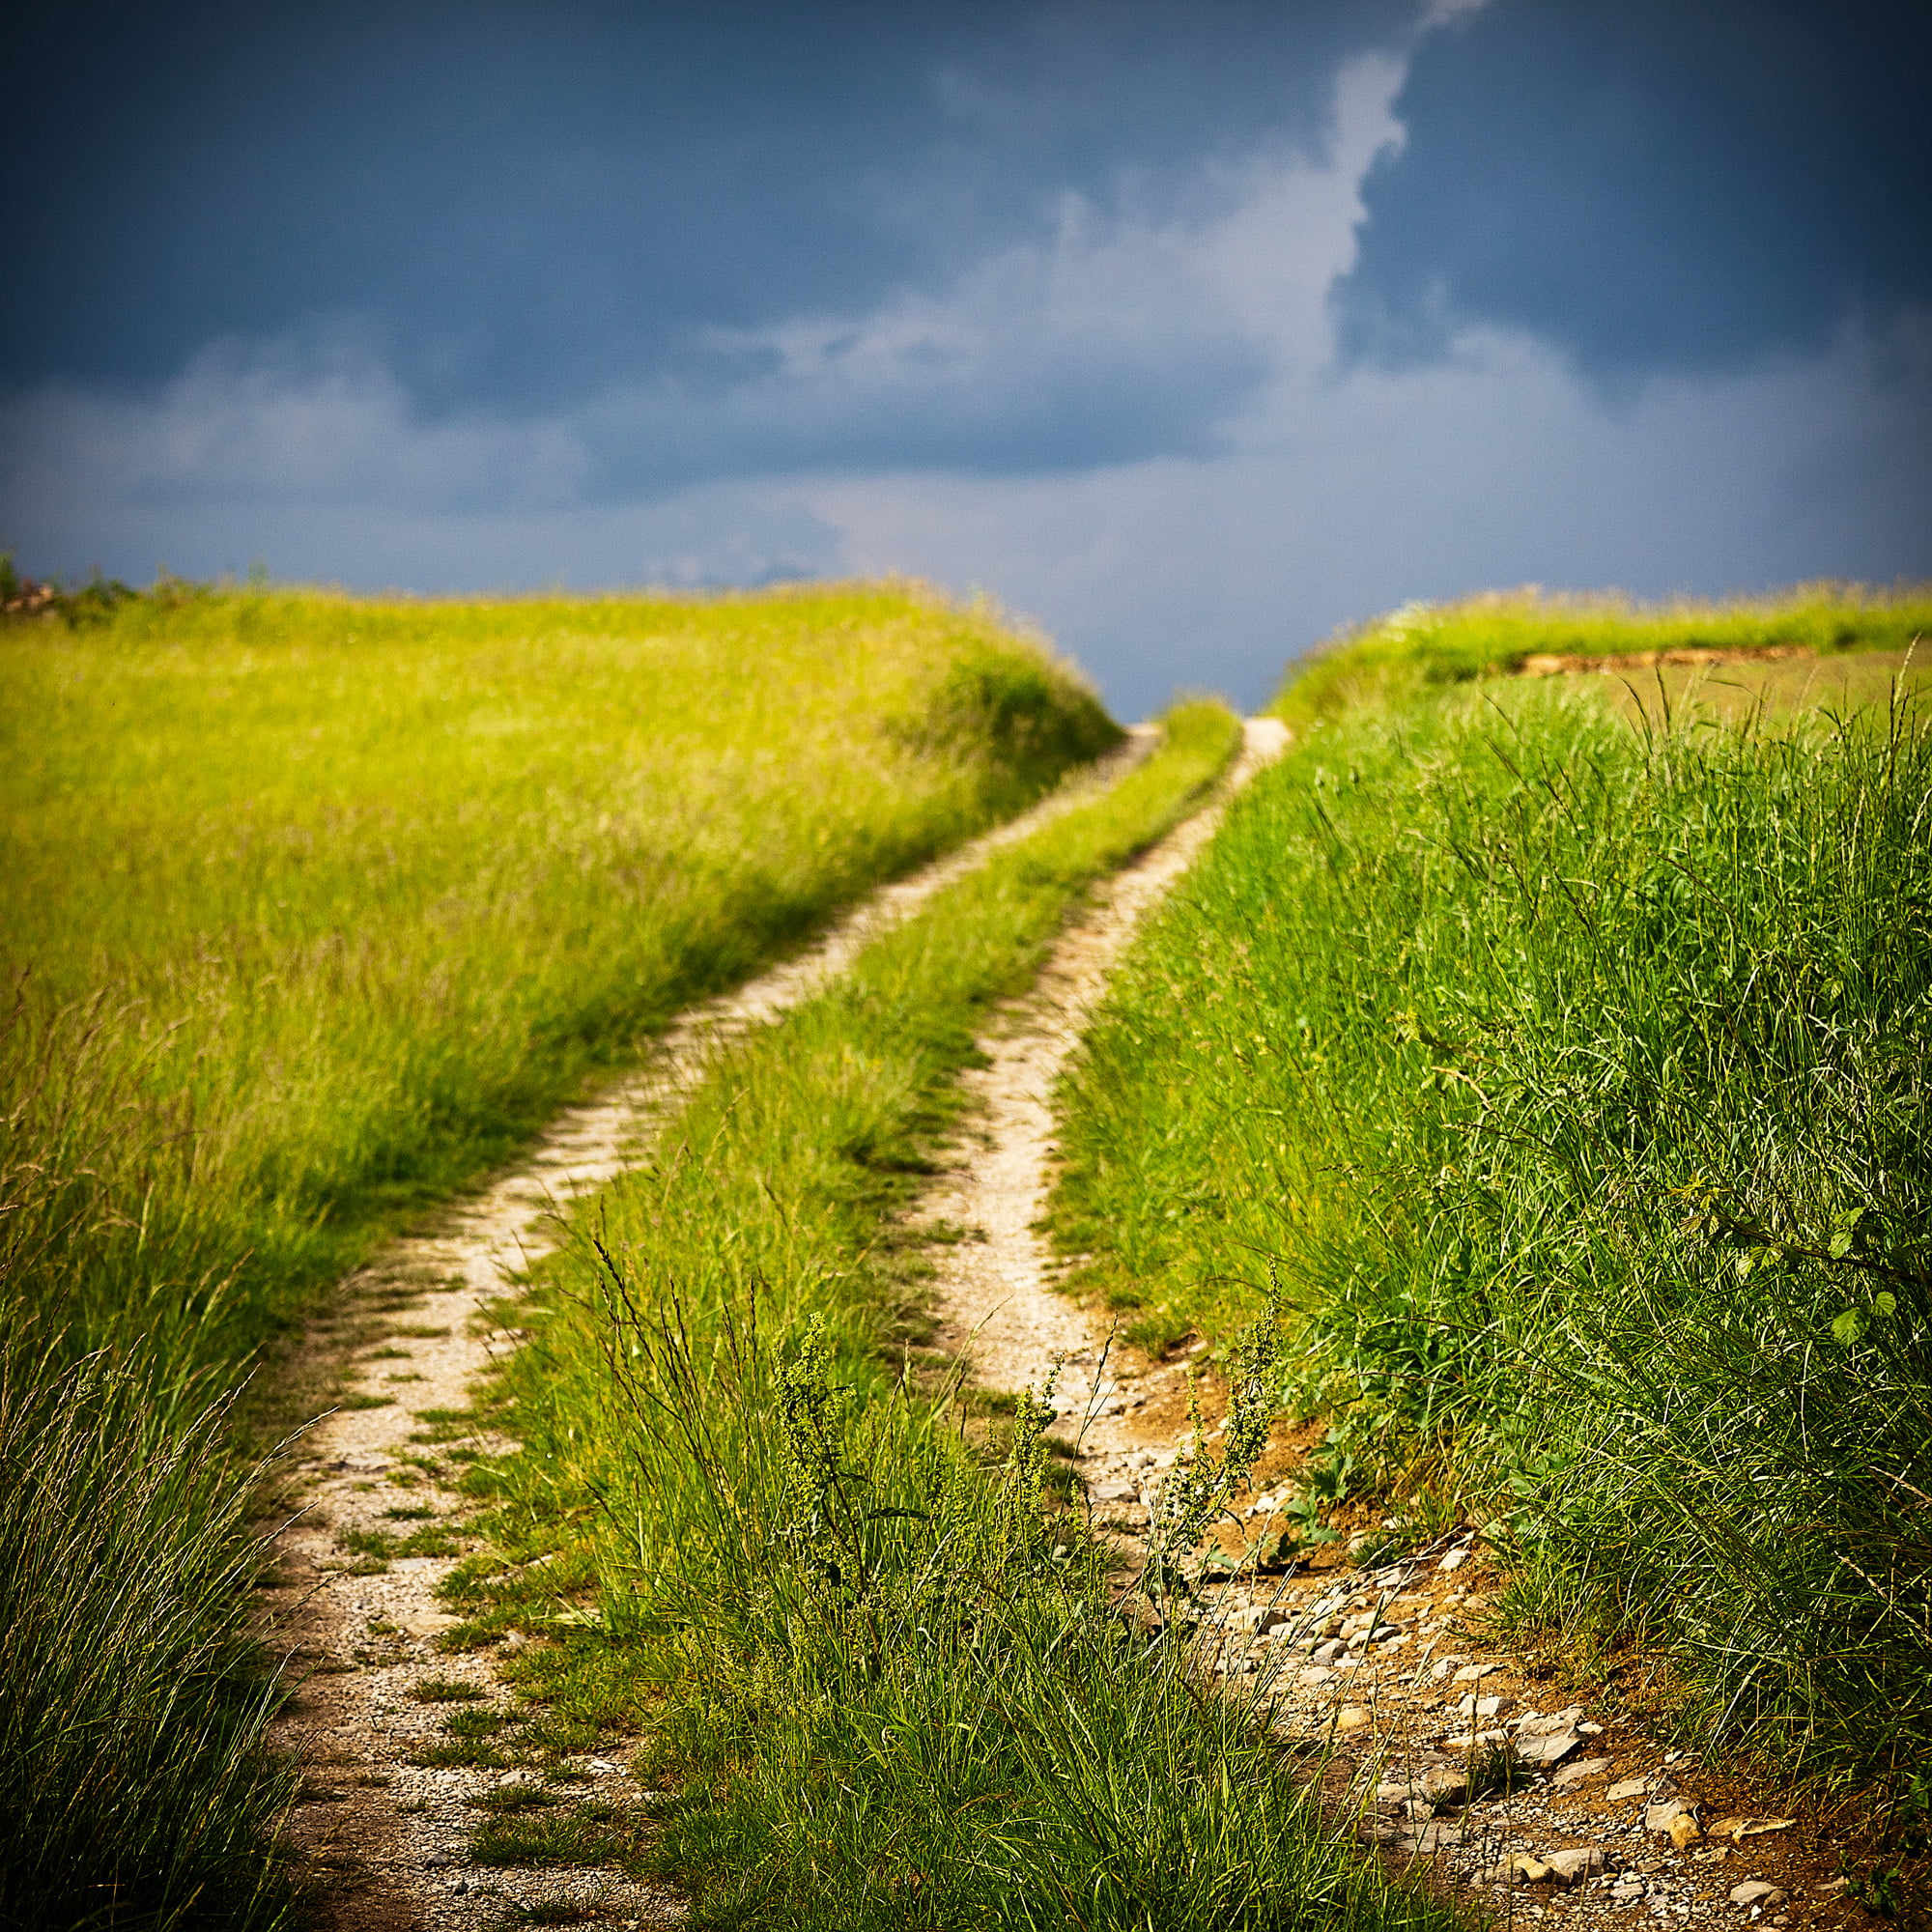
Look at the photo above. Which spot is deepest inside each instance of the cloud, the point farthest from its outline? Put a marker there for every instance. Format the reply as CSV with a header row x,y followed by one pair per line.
x,y
1655,188
525,206
1353,493
1120,336
1134,423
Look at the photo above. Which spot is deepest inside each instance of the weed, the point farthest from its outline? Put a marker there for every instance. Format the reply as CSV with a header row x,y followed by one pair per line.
x,y
1899,1883
475,1723
460,1753
1495,1770
504,1799
447,1690
582,1835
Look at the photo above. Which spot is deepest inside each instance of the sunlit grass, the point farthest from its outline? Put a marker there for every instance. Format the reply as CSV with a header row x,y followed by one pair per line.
x,y
1498,632
314,906
338,898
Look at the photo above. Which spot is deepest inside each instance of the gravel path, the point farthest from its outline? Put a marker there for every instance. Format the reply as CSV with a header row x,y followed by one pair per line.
x,y
356,1623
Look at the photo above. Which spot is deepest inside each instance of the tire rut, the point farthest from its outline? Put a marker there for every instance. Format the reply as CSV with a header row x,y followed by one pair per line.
x,y
352,1614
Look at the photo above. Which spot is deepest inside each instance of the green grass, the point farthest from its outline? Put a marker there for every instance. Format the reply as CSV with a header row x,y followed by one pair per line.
x,y
316,906
1425,644
1572,1080
131,1710
882,1699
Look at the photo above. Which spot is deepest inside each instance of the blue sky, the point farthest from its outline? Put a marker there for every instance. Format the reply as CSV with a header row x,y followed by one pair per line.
x,y
1190,330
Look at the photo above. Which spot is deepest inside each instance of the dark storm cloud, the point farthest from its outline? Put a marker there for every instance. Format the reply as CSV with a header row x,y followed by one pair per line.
x,y
1081,302
521,205
1652,186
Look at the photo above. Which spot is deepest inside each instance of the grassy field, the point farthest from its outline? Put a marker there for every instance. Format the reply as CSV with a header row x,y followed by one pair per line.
x,y
1568,1067
1504,633
879,1672
316,905
330,900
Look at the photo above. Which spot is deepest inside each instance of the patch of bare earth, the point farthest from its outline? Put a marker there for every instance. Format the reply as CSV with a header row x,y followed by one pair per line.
x,y
1440,1746
1559,664
354,1609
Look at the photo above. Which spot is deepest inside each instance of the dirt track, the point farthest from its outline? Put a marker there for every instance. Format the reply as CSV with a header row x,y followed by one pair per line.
x,y
1388,1669
1389,1666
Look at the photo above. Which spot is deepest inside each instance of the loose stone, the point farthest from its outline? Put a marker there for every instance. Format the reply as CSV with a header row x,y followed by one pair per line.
x,y
1569,1867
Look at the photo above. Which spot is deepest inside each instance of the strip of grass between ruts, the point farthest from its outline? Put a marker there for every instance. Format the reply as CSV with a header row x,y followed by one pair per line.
x,y
322,902
881,1678
1573,1077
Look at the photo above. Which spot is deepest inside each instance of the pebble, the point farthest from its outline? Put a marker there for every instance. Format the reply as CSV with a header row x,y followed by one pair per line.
x,y
1750,1827
1756,1891
1543,1751
1354,1718
1522,1869
1472,1673
1440,1784
1579,1772
1630,1787
1531,1725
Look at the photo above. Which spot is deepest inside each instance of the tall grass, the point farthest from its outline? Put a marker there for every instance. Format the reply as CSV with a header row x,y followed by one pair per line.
x,y
1424,644
888,1685
1574,1080
130,1708
314,905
